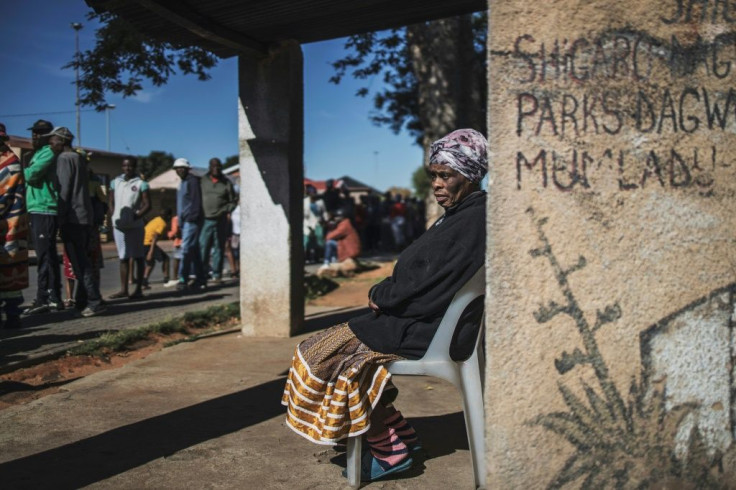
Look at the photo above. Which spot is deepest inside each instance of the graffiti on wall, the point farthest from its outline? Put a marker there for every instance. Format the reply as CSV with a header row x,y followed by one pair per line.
x,y
616,84
674,425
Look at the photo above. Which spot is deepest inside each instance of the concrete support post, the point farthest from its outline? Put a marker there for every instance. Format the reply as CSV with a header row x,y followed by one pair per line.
x,y
270,114
612,252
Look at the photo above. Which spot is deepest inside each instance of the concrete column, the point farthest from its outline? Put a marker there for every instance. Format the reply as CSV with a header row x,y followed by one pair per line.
x,y
270,118
612,254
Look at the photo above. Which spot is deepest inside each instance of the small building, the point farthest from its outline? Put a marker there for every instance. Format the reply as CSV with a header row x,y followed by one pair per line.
x,y
356,187
162,190
105,164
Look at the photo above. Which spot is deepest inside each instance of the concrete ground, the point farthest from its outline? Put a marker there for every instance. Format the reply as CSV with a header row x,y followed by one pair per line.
x,y
205,414
49,335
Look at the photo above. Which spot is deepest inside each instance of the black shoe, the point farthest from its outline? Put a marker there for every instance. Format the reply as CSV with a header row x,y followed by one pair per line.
x,y
12,322
194,288
36,307
55,304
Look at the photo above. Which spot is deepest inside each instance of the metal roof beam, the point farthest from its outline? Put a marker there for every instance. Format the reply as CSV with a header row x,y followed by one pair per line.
x,y
204,27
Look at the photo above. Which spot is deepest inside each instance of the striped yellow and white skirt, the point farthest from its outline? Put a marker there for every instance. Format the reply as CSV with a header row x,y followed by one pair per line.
x,y
334,382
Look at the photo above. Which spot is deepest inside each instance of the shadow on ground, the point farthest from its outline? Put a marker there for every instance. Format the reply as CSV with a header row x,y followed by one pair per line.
x,y
15,345
10,349
7,387
440,435
113,452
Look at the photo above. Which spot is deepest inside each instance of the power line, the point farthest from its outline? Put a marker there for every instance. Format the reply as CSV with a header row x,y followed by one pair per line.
x,y
43,113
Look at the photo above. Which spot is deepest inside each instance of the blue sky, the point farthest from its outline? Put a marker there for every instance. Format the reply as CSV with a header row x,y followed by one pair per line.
x,y
186,117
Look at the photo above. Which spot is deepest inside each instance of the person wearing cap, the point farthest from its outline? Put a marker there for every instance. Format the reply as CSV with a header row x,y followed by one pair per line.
x,y
338,385
76,219
129,201
39,128
218,201
190,215
14,235
42,201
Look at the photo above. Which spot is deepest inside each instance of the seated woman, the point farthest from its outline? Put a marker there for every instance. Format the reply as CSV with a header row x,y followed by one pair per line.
x,y
338,385
342,247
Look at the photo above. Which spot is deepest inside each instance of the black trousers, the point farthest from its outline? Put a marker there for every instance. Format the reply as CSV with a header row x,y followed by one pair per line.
x,y
76,240
43,230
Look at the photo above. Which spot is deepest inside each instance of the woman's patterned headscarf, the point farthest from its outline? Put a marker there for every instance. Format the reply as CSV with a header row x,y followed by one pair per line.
x,y
464,150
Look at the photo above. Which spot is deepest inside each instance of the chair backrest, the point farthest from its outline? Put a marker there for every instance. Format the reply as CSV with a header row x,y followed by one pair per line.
x,y
439,348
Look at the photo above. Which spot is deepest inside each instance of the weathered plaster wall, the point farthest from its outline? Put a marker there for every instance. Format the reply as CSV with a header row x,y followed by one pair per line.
x,y
612,252
271,135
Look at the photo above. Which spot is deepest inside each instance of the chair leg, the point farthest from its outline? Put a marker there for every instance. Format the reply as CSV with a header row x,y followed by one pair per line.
x,y
473,410
353,458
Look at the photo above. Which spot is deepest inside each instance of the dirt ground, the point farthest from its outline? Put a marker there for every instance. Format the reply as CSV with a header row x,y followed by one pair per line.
x,y
354,291
24,385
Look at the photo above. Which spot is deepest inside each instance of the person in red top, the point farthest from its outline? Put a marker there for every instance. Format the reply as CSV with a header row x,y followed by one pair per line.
x,y
398,222
342,242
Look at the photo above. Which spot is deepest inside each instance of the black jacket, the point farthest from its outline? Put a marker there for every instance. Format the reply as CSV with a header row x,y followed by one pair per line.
x,y
189,200
75,206
426,277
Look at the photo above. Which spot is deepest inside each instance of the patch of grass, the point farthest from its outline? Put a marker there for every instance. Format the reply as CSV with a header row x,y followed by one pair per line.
x,y
118,341
314,287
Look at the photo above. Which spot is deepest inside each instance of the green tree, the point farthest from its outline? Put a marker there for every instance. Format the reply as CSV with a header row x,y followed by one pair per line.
x,y
156,163
122,59
420,181
434,75
231,161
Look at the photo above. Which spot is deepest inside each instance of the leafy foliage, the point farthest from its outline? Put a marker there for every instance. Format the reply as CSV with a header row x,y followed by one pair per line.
x,y
123,58
389,54
420,181
231,161
156,163
386,53
314,286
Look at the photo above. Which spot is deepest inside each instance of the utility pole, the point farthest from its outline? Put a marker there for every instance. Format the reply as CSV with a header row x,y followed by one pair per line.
x,y
77,26
375,163
108,108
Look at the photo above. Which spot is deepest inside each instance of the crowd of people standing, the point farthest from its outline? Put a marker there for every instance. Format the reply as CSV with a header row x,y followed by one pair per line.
x,y
53,193
338,227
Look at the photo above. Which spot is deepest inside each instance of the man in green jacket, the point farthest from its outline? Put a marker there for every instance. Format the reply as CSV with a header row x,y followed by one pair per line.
x,y
42,200
38,129
218,201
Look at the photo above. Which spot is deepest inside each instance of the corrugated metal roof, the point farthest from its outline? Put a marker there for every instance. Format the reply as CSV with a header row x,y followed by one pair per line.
x,y
231,27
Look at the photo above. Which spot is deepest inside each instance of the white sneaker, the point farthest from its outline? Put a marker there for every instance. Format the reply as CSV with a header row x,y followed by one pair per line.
x,y
171,283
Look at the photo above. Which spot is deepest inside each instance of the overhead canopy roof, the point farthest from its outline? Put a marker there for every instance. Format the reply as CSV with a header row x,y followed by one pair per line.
x,y
231,27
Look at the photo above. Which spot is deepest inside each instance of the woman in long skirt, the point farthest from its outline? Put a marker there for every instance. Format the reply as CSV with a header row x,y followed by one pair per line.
x,y
338,386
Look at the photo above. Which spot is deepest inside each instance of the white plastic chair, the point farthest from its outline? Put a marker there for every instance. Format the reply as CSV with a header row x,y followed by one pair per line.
x,y
465,375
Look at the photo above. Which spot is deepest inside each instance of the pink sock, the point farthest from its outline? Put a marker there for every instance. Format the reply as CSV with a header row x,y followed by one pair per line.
x,y
405,431
387,448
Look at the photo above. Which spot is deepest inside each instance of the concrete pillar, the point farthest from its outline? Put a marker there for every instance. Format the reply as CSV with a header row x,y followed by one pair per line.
x,y
612,254
270,118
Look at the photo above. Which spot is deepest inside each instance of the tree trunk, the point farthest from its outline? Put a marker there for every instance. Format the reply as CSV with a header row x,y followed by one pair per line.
x,y
442,56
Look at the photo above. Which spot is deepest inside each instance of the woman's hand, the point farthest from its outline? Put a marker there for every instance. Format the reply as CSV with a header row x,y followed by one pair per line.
x,y
373,306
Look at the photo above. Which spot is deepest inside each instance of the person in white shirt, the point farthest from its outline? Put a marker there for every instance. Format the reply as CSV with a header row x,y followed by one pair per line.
x,y
129,201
